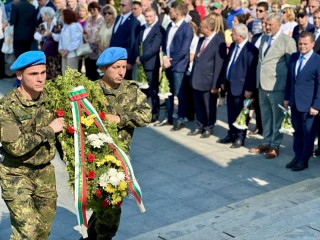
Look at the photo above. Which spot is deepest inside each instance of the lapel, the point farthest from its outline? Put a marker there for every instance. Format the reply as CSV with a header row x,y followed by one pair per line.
x,y
305,68
210,45
263,40
316,47
179,30
150,34
242,50
272,48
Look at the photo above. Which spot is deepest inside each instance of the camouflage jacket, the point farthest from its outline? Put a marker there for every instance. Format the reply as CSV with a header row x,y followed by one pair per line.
x,y
130,104
24,132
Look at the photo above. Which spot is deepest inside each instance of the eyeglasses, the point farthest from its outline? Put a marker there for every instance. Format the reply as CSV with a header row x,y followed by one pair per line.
x,y
122,5
260,11
107,13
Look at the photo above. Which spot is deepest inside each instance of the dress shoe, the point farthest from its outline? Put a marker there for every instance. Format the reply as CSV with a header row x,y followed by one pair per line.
x,y
206,134
273,152
164,122
177,126
317,152
260,149
299,166
225,140
154,118
238,143
292,163
255,132
195,132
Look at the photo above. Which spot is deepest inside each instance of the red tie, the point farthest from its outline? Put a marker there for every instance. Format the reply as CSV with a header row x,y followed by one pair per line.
x,y
204,43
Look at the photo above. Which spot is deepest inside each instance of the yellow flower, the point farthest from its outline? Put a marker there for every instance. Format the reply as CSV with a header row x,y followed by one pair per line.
x,y
123,194
110,189
122,186
88,121
115,199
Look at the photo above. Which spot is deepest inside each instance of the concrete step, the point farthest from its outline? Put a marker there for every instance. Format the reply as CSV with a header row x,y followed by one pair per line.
x,y
290,212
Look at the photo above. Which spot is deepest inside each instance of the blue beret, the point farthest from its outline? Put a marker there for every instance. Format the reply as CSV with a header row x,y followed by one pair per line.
x,y
111,55
28,59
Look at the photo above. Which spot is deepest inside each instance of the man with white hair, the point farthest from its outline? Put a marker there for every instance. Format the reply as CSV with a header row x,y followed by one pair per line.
x,y
274,53
240,79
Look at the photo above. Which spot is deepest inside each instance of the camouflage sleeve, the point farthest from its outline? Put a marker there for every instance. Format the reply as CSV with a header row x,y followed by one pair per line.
x,y
17,143
139,113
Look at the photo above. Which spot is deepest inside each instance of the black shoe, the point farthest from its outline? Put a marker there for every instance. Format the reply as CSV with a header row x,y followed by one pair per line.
x,y
164,122
154,118
177,126
205,134
292,163
225,140
317,152
238,143
195,132
299,166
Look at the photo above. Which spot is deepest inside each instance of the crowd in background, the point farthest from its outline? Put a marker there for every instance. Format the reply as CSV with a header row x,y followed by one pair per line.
x,y
167,35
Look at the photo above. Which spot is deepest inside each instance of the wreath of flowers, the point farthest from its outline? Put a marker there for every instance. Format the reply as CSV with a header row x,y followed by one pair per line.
x,y
107,182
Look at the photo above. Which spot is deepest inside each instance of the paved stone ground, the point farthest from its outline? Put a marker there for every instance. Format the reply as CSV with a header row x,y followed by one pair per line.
x,y
182,178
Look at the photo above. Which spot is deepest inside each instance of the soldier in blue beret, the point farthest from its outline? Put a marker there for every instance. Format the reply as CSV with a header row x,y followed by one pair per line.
x,y
128,107
27,134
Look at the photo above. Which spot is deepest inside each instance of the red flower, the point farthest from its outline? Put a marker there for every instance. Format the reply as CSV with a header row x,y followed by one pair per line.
x,y
119,204
98,192
70,130
102,115
91,174
59,112
91,157
105,203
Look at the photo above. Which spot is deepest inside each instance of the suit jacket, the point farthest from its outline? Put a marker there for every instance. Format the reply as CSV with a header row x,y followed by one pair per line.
x,y
125,36
39,18
23,18
180,46
207,68
304,89
296,34
151,47
316,47
242,76
272,68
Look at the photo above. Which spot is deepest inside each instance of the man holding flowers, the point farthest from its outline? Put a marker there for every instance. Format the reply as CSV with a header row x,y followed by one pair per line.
x,y
128,107
27,134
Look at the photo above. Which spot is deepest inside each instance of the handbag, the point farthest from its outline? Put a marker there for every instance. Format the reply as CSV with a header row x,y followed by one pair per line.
x,y
83,50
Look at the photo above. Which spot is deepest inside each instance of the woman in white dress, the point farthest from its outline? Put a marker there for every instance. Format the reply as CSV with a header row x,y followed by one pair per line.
x,y
288,22
109,13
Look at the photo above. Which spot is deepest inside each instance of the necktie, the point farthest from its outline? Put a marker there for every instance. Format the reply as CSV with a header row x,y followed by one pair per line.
x,y
119,23
300,64
233,61
268,47
204,43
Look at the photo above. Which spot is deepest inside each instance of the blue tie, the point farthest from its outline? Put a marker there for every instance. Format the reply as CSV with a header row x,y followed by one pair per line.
x,y
300,64
268,47
233,61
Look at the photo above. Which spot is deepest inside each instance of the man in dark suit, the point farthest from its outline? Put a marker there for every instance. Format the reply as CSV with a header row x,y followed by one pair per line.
x,y
303,24
125,31
176,51
303,95
150,39
41,4
240,81
207,69
23,18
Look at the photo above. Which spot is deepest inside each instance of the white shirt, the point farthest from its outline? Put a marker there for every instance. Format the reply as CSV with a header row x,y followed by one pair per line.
x,y
233,57
288,27
172,32
193,48
141,19
148,29
304,61
71,38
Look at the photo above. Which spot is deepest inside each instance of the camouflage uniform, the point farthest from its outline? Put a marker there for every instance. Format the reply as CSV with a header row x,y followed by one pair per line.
x,y
26,175
128,102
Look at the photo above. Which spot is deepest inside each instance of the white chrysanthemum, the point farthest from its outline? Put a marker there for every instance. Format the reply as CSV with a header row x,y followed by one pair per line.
x,y
92,137
114,180
96,143
121,176
103,180
105,138
112,172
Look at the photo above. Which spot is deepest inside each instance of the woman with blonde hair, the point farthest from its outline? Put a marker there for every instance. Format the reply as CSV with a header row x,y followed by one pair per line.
x,y
109,13
219,28
82,13
288,22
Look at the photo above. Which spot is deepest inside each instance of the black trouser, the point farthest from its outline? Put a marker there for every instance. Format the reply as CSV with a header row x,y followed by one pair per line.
x,y
21,46
2,62
91,69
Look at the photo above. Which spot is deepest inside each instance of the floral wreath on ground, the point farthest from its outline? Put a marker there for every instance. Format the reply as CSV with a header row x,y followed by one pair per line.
x,y
106,179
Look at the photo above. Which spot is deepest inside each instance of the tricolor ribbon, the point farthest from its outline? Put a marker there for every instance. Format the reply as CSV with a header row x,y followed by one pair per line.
x,y
79,102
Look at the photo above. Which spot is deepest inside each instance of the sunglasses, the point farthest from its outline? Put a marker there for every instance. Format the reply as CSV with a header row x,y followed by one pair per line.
x,y
260,11
301,15
107,13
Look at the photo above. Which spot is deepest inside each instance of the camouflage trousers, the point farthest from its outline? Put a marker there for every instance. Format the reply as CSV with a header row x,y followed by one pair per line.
x,y
103,225
31,197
